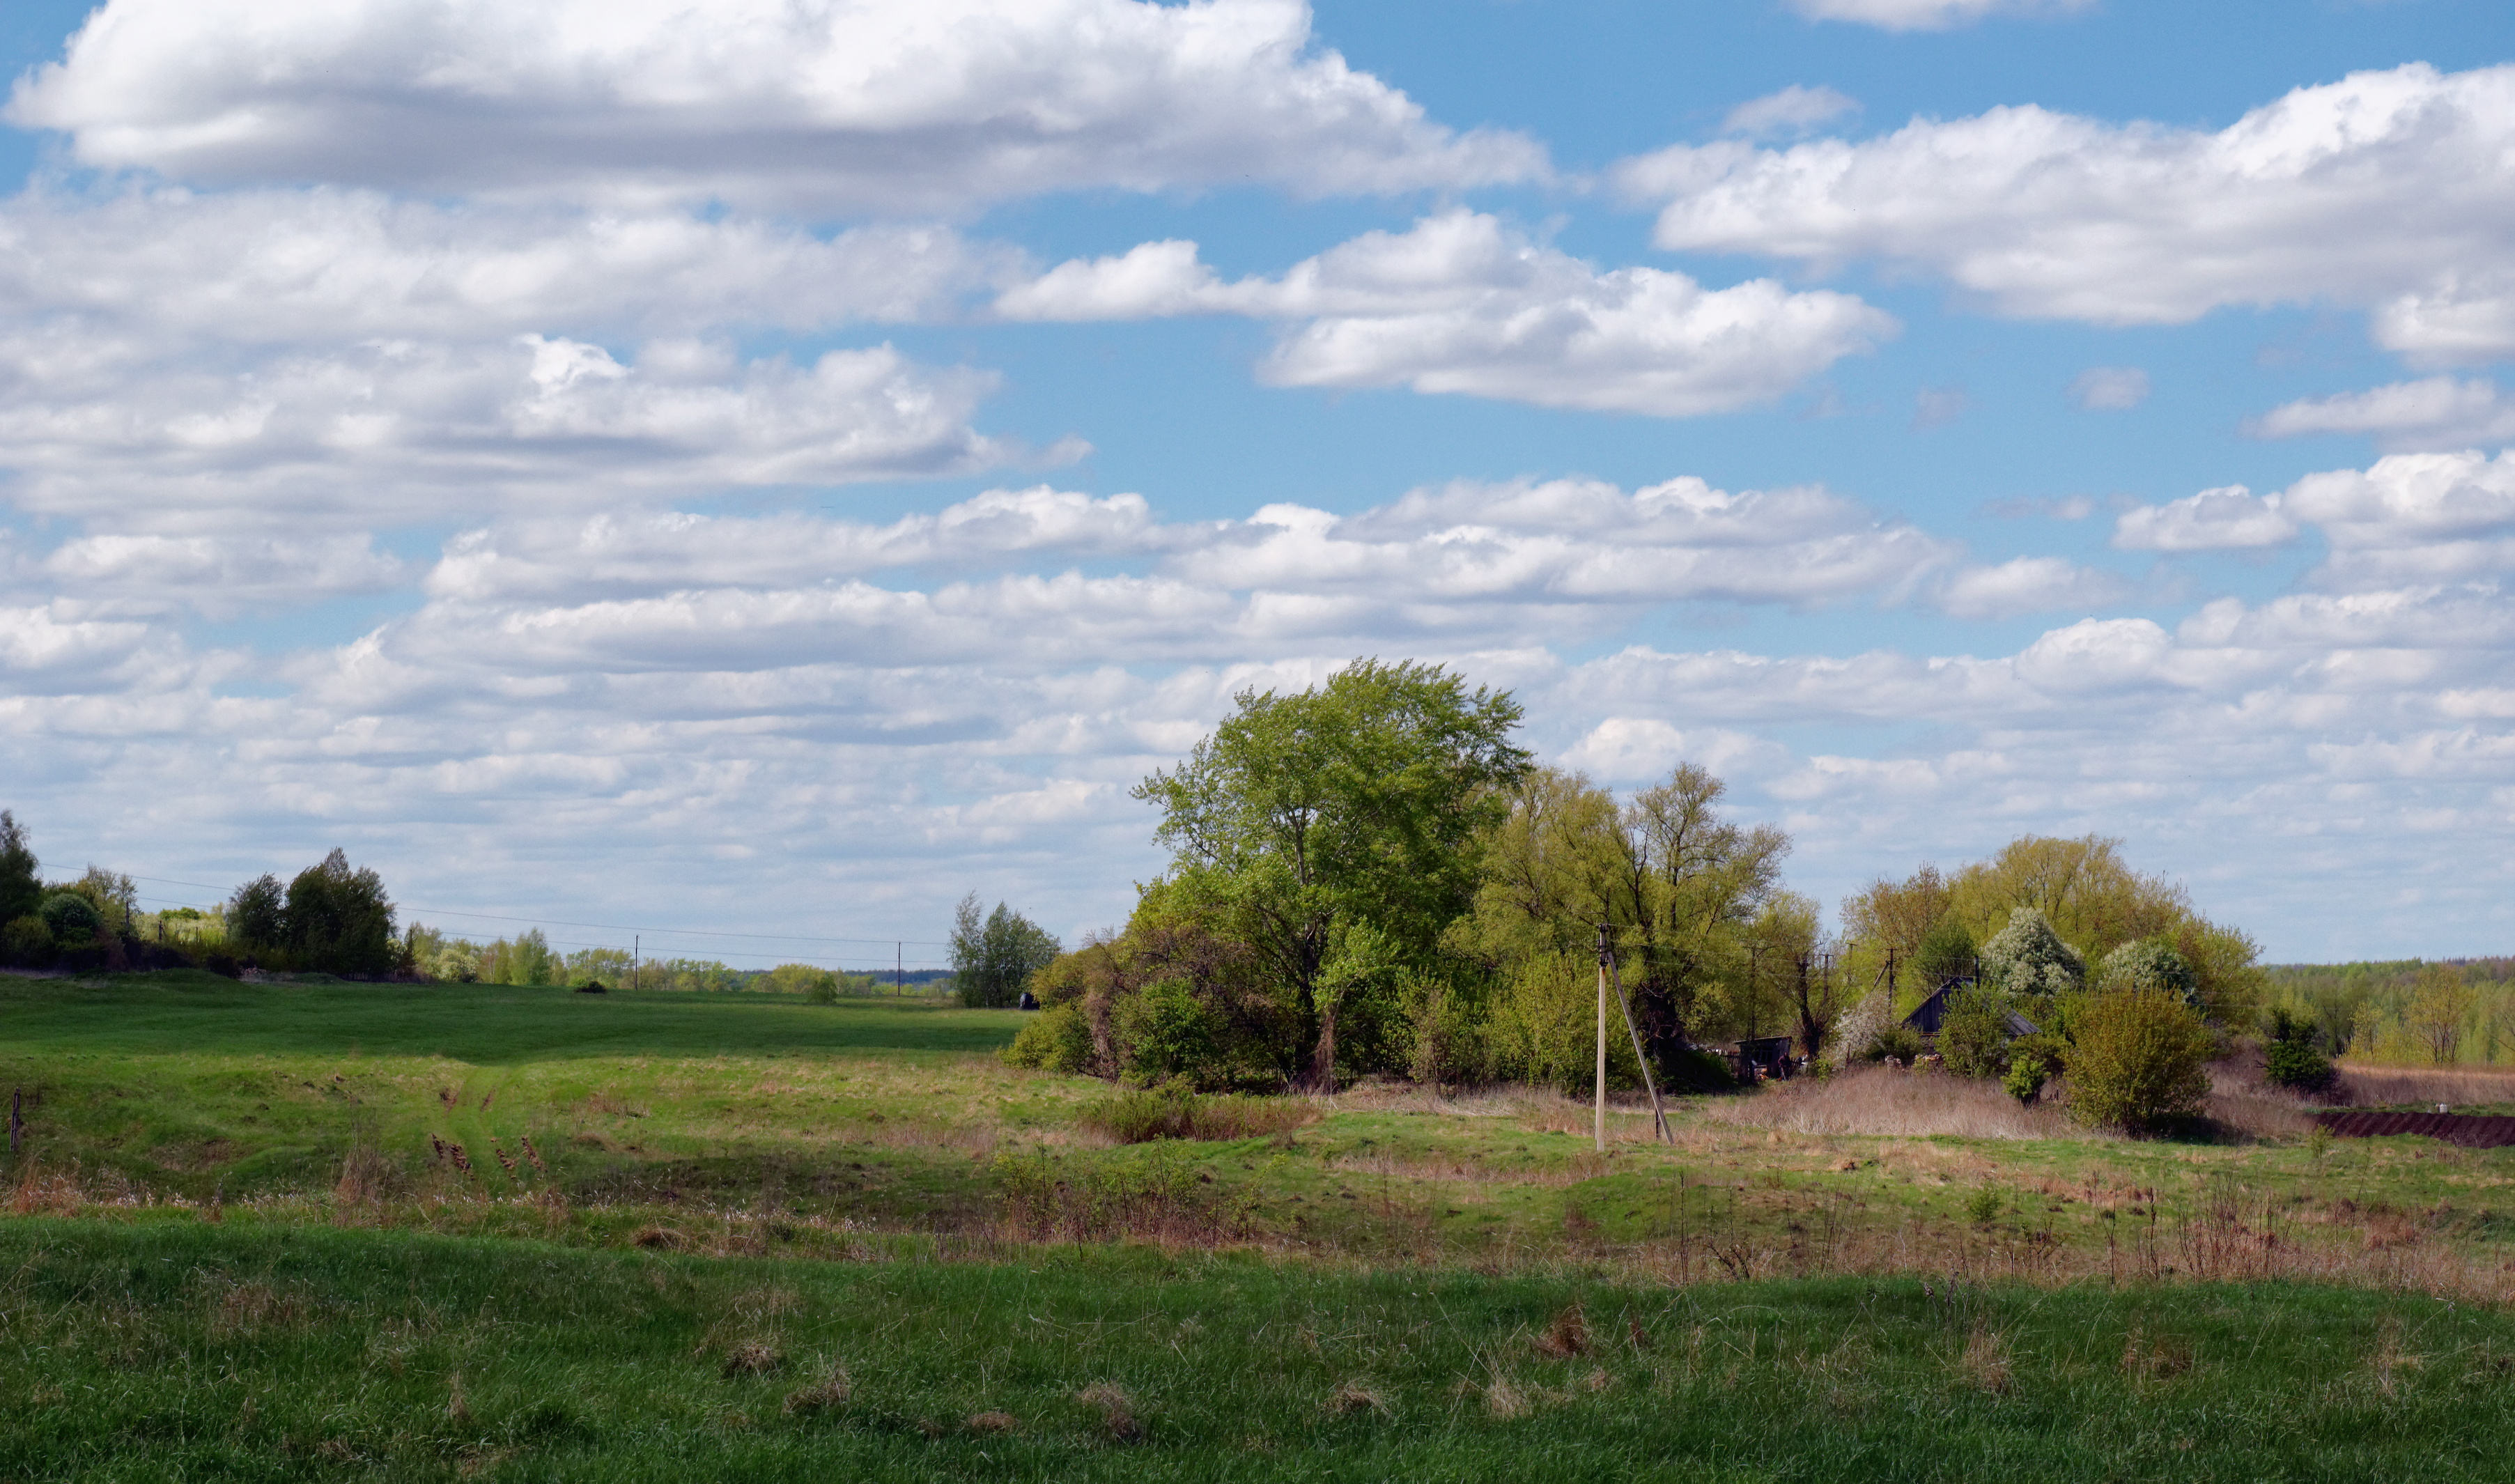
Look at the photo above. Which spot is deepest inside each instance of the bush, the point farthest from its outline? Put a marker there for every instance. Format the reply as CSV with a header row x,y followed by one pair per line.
x,y
1176,1110
1169,1033
1058,1039
27,943
1974,1036
71,918
2031,1064
1899,1041
2140,1061
2291,1058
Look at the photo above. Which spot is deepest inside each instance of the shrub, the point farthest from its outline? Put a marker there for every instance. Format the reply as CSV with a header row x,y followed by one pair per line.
x,y
1899,1041
1176,1110
1169,1033
71,918
2031,1064
1974,1036
1058,1039
2141,1060
27,941
2292,1060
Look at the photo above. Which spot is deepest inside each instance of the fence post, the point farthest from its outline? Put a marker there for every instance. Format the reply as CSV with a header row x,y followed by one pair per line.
x,y
17,1119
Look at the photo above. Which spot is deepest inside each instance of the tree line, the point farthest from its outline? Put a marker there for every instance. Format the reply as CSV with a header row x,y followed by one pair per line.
x,y
1373,877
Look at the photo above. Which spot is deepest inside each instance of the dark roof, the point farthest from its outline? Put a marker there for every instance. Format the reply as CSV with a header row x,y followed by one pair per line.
x,y
1932,1013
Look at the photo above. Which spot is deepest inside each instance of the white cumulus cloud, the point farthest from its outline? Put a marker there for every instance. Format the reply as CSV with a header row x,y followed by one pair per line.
x,y
2437,412
1461,303
886,106
1794,110
2391,190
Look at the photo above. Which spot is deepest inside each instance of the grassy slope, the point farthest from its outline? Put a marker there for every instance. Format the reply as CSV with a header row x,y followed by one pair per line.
x,y
837,1119
171,1348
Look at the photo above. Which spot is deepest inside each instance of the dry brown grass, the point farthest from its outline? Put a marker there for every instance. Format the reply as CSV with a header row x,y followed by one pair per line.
x,y
1354,1399
992,1424
2375,1087
827,1396
1986,1364
1881,1100
1115,1411
1567,1335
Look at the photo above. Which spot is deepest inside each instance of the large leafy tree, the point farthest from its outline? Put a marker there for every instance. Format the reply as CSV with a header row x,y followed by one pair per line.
x,y
1679,888
1354,803
337,918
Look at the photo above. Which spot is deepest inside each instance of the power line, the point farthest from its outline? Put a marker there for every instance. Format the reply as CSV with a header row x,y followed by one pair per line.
x,y
536,922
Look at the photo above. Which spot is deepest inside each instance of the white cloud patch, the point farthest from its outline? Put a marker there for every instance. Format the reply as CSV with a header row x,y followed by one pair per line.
x,y
2110,389
2232,519
391,432
889,106
1794,109
1929,15
1462,305
2028,585
2408,520
2390,190
2439,412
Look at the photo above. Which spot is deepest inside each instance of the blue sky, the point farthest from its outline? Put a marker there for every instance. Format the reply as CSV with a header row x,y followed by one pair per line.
x,y
781,466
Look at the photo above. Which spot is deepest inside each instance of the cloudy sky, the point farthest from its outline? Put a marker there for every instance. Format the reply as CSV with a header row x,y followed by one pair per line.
x,y
774,466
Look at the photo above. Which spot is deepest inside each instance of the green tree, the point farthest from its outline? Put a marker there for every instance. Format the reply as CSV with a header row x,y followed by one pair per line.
x,y
339,919
2441,1004
2138,1059
1358,800
256,915
1974,1035
1691,899
1945,954
72,917
993,956
22,890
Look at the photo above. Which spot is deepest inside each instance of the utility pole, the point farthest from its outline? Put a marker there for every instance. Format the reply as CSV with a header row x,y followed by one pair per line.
x,y
900,970
636,956
1601,1116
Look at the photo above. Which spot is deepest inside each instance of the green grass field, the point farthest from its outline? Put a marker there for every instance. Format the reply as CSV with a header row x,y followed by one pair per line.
x,y
176,1350
244,1246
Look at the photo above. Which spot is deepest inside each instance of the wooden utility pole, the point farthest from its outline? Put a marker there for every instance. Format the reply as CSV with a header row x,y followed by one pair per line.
x,y
1601,1116
1658,1115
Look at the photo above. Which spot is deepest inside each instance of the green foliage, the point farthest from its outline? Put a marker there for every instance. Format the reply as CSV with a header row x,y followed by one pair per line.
x,y
1896,1039
22,890
72,917
2139,1062
339,919
524,959
2027,957
809,980
1946,952
1692,901
256,915
27,943
1168,1033
1058,1039
1358,801
1544,1028
995,956
1982,1208
2033,1061
1974,1035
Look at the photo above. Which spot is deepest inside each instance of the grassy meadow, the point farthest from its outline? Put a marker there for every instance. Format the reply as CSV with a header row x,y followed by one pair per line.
x,y
273,1230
